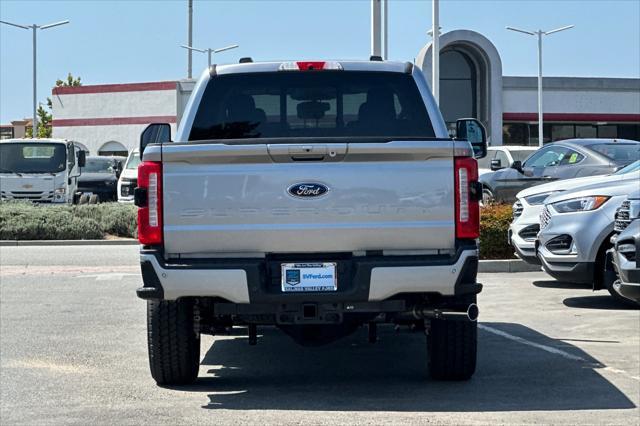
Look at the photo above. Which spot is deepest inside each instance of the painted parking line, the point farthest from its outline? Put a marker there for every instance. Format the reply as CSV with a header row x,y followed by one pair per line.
x,y
551,350
109,276
14,270
518,339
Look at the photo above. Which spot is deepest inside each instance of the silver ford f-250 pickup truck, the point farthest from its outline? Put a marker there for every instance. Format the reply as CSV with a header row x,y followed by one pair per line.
x,y
316,197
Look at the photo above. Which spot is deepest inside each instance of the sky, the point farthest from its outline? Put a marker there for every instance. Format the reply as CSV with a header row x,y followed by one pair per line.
x,y
119,41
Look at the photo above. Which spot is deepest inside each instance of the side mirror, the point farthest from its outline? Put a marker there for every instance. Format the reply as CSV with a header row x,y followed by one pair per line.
x,y
82,158
118,169
154,133
472,130
496,164
517,165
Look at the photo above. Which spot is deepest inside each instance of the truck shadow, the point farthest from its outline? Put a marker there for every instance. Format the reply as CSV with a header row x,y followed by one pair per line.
x,y
561,284
601,301
353,375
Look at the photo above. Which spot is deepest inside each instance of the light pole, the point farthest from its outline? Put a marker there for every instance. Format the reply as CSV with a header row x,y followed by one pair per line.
x,y
189,38
385,31
540,33
35,27
435,51
376,27
210,51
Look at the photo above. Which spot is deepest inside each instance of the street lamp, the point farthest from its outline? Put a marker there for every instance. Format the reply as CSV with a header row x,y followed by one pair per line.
x,y
209,51
35,27
435,50
540,33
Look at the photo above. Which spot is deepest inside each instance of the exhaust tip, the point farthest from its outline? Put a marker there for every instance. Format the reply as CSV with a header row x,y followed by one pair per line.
x,y
473,312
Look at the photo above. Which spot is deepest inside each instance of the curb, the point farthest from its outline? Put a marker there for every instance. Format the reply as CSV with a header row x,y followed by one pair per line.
x,y
508,265
119,242
485,266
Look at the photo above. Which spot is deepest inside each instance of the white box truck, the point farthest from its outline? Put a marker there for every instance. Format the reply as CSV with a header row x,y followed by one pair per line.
x,y
40,170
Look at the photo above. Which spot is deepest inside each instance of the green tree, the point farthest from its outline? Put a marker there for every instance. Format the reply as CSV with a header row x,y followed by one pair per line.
x,y
44,116
44,123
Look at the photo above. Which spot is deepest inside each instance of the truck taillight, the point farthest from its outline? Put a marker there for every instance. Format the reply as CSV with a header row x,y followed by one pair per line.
x,y
467,198
150,210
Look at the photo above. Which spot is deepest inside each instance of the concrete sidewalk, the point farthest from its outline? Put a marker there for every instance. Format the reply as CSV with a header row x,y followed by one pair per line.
x,y
509,265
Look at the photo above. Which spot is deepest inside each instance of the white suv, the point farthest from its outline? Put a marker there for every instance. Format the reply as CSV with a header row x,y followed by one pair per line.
x,y
530,202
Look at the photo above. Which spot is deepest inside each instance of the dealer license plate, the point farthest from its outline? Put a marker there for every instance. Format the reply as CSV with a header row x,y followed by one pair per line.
x,y
309,277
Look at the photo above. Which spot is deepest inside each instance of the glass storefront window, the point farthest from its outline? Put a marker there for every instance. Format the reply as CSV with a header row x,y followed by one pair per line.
x,y
608,131
533,131
629,131
586,131
6,132
457,86
515,134
527,133
562,131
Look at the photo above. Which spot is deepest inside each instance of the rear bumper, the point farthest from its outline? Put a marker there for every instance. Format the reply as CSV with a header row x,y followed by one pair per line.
x,y
360,279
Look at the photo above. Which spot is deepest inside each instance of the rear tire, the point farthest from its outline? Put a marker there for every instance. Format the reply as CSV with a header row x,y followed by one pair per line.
x,y
452,347
174,346
487,197
94,199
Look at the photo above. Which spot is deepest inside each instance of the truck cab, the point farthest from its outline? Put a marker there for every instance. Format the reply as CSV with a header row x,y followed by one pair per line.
x,y
128,178
314,196
40,170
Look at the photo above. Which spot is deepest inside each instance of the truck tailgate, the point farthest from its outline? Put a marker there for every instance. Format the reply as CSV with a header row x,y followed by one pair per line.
x,y
235,198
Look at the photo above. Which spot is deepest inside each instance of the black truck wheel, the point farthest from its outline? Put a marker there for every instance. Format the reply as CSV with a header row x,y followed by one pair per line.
x,y
452,347
174,346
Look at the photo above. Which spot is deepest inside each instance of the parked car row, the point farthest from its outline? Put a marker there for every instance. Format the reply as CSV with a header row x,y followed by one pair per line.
x,y
571,228
571,158
60,171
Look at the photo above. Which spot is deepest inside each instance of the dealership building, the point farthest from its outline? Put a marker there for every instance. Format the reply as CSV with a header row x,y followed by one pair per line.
x,y
108,118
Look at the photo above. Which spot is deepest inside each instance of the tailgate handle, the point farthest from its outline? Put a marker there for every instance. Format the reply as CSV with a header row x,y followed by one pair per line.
x,y
314,157
307,152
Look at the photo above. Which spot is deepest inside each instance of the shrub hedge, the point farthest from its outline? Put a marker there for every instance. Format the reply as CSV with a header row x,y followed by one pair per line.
x,y
494,225
29,221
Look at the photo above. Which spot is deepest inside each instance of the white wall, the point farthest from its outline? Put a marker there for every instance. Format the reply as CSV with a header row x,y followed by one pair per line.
x,y
572,101
116,106
572,95
93,137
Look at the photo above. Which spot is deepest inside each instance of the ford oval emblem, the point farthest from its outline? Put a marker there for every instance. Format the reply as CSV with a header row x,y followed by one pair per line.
x,y
308,190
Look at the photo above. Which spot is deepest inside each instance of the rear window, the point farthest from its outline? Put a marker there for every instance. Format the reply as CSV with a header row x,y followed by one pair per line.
x,y
621,153
311,104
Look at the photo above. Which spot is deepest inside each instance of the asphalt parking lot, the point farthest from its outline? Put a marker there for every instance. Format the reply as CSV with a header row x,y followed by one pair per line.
x,y
73,350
